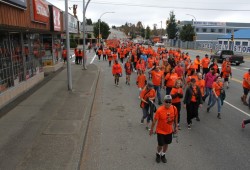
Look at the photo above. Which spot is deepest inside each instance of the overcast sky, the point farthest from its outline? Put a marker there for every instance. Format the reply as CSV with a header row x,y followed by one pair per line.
x,y
151,12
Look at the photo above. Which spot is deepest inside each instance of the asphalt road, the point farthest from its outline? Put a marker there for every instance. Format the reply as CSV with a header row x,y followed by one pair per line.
x,y
117,140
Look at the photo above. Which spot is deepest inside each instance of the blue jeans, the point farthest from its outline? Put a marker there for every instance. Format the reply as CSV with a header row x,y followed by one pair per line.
x,y
214,100
208,93
158,91
145,114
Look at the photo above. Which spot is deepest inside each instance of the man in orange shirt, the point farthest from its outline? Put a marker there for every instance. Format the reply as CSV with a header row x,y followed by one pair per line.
x,y
197,64
246,87
205,65
117,72
141,81
157,76
166,116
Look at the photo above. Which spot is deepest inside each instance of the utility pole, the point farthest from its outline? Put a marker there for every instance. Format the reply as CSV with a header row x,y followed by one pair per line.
x,y
69,75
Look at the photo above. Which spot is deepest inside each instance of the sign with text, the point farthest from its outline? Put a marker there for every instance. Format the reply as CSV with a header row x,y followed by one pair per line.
x,y
55,16
17,3
40,11
72,22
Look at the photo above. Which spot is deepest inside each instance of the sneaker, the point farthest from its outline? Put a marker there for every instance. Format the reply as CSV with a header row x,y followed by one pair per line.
x,y
163,158
189,127
218,116
208,109
243,124
142,121
242,98
158,158
179,127
198,119
147,128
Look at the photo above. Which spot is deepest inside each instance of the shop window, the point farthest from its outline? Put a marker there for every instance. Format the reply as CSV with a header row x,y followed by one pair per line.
x,y
220,42
212,30
229,30
244,43
220,30
225,42
237,43
197,29
204,30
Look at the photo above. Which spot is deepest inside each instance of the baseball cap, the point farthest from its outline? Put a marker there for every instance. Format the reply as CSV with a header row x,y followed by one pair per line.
x,y
168,99
206,55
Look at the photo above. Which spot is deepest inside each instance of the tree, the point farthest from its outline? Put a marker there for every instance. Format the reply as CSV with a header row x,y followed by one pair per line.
x,y
187,33
148,34
172,26
104,29
88,21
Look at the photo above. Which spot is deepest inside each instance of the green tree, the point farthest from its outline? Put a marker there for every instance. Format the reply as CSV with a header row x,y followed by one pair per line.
x,y
187,33
88,21
172,26
148,32
104,29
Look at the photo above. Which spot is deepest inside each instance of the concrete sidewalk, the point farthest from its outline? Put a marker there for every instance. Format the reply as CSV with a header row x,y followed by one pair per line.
x,y
47,129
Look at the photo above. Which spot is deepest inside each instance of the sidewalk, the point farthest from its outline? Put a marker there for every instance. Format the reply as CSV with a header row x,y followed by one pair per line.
x,y
47,129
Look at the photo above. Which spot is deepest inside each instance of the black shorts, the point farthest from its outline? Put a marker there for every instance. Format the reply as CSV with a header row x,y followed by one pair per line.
x,y
164,139
226,79
245,90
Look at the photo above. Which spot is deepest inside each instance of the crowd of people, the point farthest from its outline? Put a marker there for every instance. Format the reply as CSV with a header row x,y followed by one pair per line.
x,y
187,83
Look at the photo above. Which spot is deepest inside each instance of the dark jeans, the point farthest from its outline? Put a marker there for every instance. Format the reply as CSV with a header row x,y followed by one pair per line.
x,y
178,106
192,111
168,90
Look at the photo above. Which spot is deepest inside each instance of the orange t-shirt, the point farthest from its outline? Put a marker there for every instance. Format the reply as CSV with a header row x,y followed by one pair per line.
x,y
226,72
205,62
201,84
165,118
196,63
173,92
217,87
156,77
141,79
246,77
171,79
194,93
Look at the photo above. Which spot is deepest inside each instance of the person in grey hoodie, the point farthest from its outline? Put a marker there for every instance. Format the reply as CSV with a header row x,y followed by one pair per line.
x,y
209,79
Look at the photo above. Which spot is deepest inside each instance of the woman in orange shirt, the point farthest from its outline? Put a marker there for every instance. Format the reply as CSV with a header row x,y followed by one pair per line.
x,y
117,72
226,72
177,95
217,87
170,80
141,81
201,84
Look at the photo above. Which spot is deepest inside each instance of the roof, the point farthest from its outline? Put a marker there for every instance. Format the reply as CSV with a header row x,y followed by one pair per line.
x,y
240,34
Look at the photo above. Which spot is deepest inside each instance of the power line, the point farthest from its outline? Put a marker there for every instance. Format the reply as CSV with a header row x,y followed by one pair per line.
x,y
165,7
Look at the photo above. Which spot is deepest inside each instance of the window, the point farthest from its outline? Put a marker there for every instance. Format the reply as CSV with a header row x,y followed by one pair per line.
x,y
220,30
244,43
237,43
204,30
229,31
212,30
220,42
197,29
225,42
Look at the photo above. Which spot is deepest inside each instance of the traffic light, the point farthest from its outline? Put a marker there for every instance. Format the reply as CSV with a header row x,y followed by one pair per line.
x,y
232,37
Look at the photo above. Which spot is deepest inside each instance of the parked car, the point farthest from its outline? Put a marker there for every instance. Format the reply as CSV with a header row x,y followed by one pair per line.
x,y
159,44
221,55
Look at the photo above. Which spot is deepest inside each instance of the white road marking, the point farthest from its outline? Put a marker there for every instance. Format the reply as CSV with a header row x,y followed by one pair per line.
x,y
93,59
237,108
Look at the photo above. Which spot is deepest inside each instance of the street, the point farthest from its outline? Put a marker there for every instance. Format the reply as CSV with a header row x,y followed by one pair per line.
x,y
117,140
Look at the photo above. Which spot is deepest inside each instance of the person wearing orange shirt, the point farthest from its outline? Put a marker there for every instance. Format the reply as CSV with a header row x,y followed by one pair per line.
x,y
192,101
76,55
64,55
117,72
215,66
217,87
201,84
205,65
170,79
147,97
246,88
177,94
224,65
166,118
141,81
99,53
128,69
197,64
157,76
226,73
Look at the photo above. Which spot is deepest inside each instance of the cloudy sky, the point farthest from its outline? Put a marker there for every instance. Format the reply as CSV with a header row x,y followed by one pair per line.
x,y
151,12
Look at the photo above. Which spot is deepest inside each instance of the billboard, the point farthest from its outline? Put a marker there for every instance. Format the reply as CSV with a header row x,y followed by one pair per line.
x,y
55,18
17,3
40,11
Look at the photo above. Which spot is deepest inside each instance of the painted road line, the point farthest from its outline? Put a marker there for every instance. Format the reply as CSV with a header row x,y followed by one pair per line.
x,y
234,79
93,59
237,108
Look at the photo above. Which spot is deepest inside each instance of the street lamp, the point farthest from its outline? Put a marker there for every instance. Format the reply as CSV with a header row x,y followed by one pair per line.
x,y
194,38
100,25
193,17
